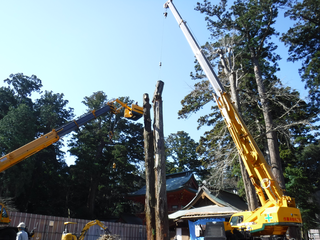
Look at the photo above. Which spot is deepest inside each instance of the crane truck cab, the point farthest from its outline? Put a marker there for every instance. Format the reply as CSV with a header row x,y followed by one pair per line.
x,y
6,232
4,214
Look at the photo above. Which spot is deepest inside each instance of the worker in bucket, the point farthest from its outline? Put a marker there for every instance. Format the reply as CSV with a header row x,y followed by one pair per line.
x,y
22,234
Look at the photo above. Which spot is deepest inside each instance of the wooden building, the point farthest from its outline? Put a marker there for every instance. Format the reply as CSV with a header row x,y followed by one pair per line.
x,y
206,206
190,205
181,189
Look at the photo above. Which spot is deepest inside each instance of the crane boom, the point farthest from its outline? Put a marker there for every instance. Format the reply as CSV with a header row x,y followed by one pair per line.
x,y
256,165
258,170
216,84
48,139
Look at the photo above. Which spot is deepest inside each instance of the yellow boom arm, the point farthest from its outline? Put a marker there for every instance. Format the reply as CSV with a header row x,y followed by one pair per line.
x,y
277,212
258,169
134,113
27,150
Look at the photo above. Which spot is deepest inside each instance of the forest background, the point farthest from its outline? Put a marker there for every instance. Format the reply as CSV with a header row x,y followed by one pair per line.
x,y
91,187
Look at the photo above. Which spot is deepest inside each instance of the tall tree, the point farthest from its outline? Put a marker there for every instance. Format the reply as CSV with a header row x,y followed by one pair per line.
x,y
181,153
253,21
107,152
17,127
229,52
24,120
247,39
50,172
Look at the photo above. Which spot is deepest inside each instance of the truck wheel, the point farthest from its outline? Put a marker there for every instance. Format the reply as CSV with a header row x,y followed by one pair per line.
x,y
8,234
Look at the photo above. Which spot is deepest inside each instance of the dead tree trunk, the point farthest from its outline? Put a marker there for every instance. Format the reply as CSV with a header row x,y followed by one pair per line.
x,y
161,211
150,175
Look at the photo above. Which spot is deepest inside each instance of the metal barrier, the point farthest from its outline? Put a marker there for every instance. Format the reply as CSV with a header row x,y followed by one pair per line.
x,y
51,227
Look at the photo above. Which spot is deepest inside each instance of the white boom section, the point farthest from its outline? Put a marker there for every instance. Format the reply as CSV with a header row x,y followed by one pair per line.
x,y
205,65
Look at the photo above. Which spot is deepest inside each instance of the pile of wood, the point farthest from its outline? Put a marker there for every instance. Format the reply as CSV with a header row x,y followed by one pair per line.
x,y
109,237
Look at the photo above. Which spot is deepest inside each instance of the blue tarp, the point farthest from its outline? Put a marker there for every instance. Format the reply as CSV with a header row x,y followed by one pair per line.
x,y
203,222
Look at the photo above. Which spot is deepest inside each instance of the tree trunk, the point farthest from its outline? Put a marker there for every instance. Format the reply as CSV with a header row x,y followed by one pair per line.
x,y
230,72
94,181
91,196
272,140
161,211
150,175
248,186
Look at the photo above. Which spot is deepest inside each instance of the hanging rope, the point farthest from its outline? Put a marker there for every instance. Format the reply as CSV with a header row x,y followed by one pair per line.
x,y
161,47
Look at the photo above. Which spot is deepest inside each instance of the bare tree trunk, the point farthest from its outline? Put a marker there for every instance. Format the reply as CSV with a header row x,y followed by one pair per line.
x,y
271,135
161,211
150,175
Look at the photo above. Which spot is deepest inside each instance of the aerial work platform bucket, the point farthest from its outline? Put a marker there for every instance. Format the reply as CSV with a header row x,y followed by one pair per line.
x,y
134,113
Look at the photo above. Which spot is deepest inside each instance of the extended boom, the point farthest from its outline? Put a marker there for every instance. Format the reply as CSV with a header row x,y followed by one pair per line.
x,y
278,211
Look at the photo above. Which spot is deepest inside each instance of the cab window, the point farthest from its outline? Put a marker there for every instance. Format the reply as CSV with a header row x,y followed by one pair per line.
x,y
4,213
236,220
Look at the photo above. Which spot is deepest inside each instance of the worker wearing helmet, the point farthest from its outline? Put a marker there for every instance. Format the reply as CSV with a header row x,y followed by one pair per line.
x,y
22,234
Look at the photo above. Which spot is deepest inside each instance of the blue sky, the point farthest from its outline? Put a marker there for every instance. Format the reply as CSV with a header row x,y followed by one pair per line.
x,y
81,47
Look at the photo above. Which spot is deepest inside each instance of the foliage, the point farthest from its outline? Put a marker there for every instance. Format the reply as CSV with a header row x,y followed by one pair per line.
x,y
50,170
7,100
43,183
107,141
303,182
303,42
23,120
251,24
181,154
24,86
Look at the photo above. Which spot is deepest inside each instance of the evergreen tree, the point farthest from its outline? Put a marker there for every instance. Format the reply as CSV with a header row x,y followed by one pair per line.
x,y
22,121
181,154
50,172
108,151
253,21
303,41
303,182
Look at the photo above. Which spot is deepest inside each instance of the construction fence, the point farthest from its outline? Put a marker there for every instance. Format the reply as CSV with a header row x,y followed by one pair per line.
x,y
51,227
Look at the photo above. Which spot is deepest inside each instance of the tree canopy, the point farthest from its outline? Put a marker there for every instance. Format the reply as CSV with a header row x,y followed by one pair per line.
x,y
92,187
181,154
303,41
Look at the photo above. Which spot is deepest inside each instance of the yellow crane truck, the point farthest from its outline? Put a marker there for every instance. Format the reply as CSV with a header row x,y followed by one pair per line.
x,y
277,211
134,112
